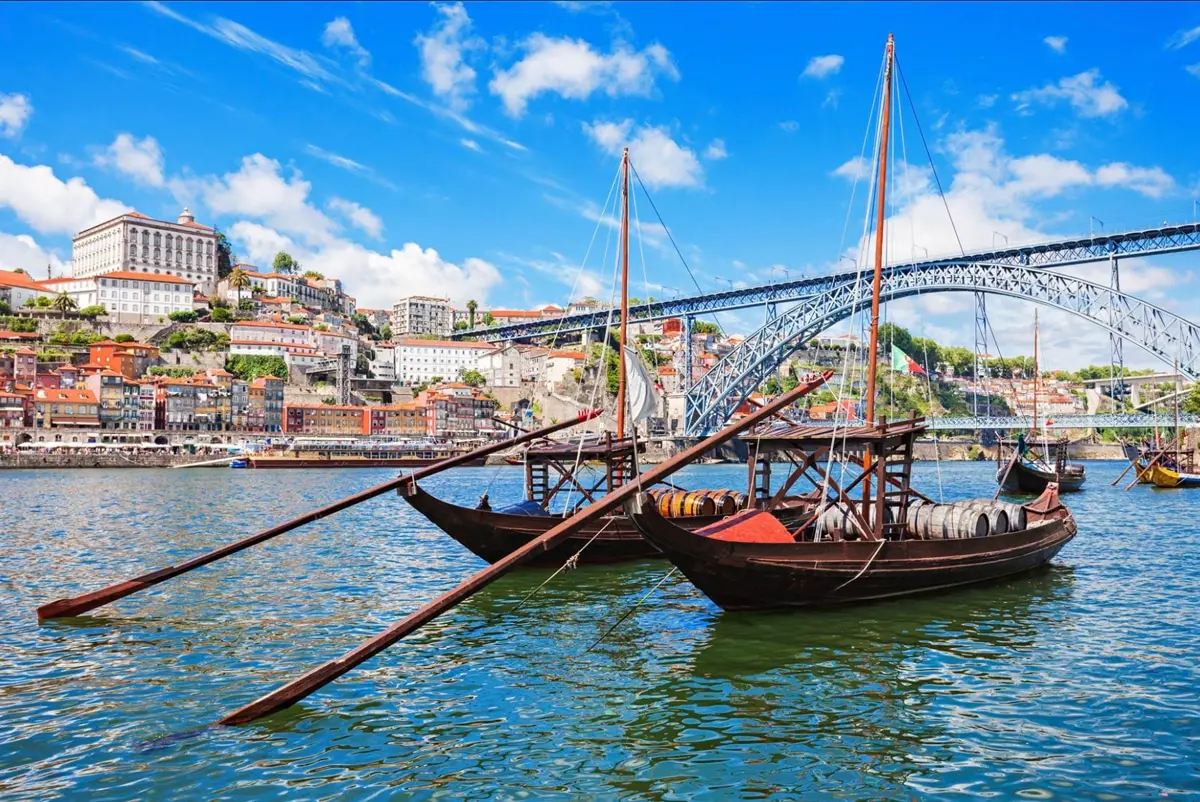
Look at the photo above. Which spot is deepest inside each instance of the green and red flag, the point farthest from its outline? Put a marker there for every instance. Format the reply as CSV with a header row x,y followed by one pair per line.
x,y
904,363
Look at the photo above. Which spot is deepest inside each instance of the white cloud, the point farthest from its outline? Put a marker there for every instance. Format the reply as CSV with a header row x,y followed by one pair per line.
x,y
15,111
791,126
716,150
855,169
574,70
1056,43
375,279
987,101
140,160
442,63
237,35
1183,38
471,144
823,66
1088,93
575,6
259,190
1194,69
348,164
660,161
339,33
50,205
357,215
1152,182
21,251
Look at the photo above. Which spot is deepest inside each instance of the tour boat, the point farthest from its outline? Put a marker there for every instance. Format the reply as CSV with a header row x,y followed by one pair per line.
x,y
872,535
335,453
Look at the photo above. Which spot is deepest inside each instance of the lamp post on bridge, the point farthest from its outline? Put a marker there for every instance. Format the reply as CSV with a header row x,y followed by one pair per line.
x,y
998,234
722,278
1094,219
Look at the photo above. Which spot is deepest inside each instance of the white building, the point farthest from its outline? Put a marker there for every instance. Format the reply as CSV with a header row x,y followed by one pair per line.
x,y
560,364
17,288
512,364
129,297
296,356
420,314
384,363
268,332
419,361
136,243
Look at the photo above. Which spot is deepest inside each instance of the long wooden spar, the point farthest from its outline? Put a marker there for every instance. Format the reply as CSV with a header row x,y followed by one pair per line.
x,y
298,689
65,608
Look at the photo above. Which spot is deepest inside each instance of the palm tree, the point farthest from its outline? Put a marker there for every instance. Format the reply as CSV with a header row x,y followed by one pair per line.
x,y
239,281
64,303
471,307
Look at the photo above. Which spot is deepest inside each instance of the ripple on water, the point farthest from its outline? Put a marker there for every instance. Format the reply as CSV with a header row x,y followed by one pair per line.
x,y
1078,682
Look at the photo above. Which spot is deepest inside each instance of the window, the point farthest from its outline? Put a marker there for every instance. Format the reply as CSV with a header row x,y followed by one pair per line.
x,y
168,242
157,239
157,254
145,237
69,409
145,252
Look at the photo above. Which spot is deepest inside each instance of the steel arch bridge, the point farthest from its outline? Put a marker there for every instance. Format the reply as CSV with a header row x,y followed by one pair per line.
x,y
712,400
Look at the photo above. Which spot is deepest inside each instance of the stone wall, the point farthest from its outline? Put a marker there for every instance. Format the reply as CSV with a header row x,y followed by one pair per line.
x,y
103,460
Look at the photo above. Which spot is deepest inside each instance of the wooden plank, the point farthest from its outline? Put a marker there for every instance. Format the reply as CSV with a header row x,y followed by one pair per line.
x,y
65,608
298,689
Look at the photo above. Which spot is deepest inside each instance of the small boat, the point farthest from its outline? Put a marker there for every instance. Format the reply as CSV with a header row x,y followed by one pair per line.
x,y
240,462
871,534
1161,476
1027,472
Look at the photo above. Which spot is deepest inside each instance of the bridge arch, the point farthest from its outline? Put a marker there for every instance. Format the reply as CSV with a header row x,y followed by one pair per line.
x,y
713,399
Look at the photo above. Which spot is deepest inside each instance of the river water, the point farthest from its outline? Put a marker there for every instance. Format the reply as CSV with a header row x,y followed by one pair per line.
x,y
1079,682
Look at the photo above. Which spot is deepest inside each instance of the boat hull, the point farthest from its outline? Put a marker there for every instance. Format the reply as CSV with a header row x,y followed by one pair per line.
x,y
1023,479
353,462
494,535
1167,478
763,576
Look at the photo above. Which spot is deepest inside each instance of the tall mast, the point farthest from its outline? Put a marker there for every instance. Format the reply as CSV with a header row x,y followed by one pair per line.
x,y
1037,374
873,354
624,293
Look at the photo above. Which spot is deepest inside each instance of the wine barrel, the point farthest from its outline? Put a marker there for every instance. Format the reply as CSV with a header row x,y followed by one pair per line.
x,y
1016,515
726,502
686,504
996,514
952,522
837,520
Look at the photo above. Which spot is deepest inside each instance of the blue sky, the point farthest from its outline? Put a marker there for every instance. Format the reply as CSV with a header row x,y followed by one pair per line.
x,y
467,149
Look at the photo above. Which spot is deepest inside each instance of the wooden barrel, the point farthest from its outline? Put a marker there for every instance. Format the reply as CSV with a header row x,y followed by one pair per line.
x,y
919,520
837,520
945,521
726,502
1016,515
686,504
996,513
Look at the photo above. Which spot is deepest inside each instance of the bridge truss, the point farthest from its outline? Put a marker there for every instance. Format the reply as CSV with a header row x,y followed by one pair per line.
x,y
971,422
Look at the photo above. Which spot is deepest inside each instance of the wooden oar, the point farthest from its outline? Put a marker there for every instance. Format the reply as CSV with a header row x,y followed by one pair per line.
x,y
1016,455
298,689
1151,464
1136,460
65,608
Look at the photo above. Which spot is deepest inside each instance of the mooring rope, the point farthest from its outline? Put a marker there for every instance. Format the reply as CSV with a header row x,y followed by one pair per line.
x,y
629,612
863,570
571,563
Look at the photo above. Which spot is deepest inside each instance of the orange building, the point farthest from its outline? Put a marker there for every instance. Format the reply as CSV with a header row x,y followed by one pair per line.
x,y
56,408
131,360
327,419
399,420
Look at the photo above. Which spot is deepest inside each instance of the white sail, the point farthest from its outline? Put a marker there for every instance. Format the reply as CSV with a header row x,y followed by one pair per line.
x,y
638,387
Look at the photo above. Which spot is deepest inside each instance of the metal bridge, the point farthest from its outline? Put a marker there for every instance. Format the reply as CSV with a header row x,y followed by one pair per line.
x,y
971,422
820,302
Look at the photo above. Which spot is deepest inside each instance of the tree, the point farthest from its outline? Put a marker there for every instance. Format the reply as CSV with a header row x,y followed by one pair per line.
x,y
704,327
248,367
284,263
472,305
471,377
225,256
20,270
221,315
461,325
314,275
42,302
1191,404
5,309
124,338
488,320
93,311
386,333
245,305
239,280
183,316
64,303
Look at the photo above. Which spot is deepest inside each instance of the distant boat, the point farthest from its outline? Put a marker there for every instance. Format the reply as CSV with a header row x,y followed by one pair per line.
x,y
335,453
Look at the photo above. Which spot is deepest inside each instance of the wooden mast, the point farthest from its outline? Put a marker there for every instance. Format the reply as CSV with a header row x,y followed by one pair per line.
x,y
1037,374
624,294
877,280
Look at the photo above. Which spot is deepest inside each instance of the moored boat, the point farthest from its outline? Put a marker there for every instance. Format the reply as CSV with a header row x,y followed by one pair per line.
x,y
359,454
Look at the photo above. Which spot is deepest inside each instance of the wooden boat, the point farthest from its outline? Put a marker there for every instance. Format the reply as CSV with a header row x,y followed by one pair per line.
x,y
1025,471
874,538
1161,476
561,478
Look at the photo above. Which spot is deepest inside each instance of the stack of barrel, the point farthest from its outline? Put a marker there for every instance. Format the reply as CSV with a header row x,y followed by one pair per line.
x,y
697,503
973,518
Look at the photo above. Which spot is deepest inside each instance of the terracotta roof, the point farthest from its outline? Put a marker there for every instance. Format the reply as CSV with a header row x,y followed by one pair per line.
x,y
17,335
135,276
11,278
74,396
193,224
26,350
568,354
257,324
323,406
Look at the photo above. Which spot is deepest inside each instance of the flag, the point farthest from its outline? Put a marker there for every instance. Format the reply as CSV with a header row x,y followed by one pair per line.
x,y
637,387
904,363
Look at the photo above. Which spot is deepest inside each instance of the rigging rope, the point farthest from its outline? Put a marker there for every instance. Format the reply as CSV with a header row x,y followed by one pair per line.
x,y
629,612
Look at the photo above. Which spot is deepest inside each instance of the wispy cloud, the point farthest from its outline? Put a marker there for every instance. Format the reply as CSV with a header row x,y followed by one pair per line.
x,y
823,66
348,164
1183,38
471,144
1088,93
1056,43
